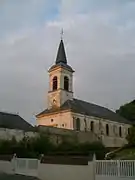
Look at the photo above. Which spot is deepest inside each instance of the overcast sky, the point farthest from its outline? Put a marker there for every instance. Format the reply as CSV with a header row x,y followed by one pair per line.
x,y
99,38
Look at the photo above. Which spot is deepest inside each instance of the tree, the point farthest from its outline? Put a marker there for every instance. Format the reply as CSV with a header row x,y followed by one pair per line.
x,y
131,136
127,111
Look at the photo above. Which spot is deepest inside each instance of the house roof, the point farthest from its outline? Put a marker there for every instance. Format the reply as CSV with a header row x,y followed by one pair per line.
x,y
14,121
88,109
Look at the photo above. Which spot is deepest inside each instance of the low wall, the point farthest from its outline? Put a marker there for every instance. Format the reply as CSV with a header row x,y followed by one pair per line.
x,y
6,167
94,170
49,171
66,172
8,134
57,135
73,136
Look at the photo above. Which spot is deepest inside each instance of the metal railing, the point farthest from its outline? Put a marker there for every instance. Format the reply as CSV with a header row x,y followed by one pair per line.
x,y
119,168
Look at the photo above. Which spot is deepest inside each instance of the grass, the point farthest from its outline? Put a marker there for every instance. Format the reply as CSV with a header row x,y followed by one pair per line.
x,y
125,154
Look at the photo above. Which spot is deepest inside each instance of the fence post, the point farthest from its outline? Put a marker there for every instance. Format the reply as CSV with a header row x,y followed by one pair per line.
x,y
118,167
13,163
39,163
94,167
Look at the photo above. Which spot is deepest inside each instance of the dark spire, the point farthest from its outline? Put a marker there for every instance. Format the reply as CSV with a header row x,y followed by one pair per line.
x,y
61,55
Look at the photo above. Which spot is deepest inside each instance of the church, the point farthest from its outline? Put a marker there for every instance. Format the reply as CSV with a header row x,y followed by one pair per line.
x,y
67,112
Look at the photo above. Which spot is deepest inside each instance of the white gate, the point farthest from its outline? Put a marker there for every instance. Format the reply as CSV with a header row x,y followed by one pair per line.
x,y
115,169
26,166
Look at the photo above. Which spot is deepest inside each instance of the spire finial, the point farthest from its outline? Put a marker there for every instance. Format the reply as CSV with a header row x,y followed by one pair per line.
x,y
61,34
61,55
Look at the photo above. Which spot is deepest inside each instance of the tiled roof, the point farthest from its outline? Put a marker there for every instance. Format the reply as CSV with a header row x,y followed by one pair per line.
x,y
89,109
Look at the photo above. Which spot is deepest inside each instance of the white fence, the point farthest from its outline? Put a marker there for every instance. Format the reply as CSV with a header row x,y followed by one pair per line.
x,y
95,170
25,166
33,167
119,168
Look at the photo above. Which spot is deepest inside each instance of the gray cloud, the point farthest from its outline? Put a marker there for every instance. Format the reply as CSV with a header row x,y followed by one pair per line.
x,y
99,45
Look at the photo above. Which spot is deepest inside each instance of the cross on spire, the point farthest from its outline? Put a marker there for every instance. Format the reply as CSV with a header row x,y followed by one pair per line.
x,y
61,55
61,33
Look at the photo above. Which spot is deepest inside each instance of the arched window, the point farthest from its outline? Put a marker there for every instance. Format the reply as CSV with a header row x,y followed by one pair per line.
x,y
55,83
78,124
51,120
120,131
128,130
107,129
66,83
92,126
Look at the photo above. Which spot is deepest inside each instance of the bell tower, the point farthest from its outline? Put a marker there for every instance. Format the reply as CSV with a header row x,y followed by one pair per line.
x,y
60,80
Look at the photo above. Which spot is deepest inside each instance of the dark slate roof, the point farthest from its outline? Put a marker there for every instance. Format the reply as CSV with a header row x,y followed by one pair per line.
x,y
89,109
14,121
61,60
61,55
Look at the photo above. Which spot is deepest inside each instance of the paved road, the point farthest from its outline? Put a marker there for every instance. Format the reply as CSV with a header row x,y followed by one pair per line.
x,y
16,177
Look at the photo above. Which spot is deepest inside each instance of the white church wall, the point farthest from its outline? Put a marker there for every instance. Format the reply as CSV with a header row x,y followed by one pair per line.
x,y
70,77
51,76
60,73
113,139
59,95
60,120
88,119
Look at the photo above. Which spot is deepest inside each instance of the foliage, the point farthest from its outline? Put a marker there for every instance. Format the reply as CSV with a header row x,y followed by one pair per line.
x,y
84,149
35,146
127,111
27,147
131,136
95,147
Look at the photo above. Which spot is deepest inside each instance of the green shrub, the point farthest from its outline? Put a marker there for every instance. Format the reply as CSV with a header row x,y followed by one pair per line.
x,y
35,146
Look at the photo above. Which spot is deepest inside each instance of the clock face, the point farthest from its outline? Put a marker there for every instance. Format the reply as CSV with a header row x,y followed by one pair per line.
x,y
54,101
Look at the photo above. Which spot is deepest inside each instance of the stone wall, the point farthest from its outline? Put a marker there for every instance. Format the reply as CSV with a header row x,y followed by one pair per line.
x,y
8,134
57,135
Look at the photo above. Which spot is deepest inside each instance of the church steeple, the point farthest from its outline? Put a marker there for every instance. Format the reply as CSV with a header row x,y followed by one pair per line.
x,y
60,80
61,55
